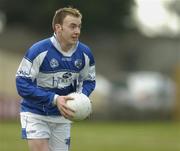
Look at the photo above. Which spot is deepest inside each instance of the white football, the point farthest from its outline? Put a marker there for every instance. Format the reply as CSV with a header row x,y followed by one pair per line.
x,y
81,104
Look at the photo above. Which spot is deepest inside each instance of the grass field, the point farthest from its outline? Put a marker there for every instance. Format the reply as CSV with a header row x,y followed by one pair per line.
x,y
106,136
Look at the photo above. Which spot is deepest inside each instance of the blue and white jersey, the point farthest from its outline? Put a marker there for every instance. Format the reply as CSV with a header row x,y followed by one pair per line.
x,y
46,71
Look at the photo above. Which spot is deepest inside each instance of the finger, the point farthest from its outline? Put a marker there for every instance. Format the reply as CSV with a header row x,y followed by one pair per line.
x,y
63,113
67,107
70,109
68,98
67,115
67,111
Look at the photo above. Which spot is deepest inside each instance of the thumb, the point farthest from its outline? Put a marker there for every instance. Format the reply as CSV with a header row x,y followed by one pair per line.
x,y
66,98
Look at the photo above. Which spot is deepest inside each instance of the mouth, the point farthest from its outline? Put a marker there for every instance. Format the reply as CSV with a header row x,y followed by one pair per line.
x,y
75,38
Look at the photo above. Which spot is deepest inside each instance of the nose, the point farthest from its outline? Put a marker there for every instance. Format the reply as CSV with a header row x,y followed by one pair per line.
x,y
77,30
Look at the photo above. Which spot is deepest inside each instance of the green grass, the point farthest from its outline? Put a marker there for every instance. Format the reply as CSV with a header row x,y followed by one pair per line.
x,y
10,137
106,136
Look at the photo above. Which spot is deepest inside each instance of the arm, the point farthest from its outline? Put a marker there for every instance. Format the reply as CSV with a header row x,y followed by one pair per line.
x,y
89,82
26,78
28,90
87,75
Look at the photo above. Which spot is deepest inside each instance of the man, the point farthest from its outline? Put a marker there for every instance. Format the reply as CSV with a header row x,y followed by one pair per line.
x,y
50,70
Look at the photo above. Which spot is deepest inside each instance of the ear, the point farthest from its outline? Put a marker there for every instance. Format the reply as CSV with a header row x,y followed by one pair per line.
x,y
58,27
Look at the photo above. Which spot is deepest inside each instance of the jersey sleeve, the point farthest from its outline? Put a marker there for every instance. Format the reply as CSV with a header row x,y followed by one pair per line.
x,y
26,77
88,75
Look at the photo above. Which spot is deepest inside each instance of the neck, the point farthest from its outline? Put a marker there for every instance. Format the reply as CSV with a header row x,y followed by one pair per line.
x,y
64,45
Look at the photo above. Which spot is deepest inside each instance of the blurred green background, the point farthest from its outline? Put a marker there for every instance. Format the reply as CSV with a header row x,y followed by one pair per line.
x,y
106,136
136,45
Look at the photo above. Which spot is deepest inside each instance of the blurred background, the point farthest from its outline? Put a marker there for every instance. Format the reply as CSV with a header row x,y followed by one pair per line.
x,y
136,45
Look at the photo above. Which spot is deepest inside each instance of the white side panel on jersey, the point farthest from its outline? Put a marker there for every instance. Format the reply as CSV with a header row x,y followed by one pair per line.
x,y
88,72
28,69
92,73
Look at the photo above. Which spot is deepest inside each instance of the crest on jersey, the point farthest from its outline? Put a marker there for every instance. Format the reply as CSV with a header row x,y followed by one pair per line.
x,y
67,75
54,63
78,63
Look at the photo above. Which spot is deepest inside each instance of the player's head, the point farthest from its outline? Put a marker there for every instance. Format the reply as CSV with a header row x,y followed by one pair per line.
x,y
61,13
67,25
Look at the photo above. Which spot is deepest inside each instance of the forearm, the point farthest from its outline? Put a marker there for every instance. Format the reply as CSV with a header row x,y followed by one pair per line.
x,y
27,89
88,86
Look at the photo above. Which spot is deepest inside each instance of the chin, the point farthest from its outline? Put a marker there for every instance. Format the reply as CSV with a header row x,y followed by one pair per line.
x,y
74,42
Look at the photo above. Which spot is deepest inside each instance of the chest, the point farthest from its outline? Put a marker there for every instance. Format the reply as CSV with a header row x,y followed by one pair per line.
x,y
55,62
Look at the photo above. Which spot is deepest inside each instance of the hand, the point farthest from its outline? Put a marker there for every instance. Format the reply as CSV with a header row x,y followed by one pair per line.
x,y
63,108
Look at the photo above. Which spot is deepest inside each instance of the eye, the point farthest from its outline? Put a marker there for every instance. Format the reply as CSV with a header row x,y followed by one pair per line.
x,y
73,26
79,26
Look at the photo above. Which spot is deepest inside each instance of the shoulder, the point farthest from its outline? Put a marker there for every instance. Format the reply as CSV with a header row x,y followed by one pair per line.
x,y
37,49
41,44
86,51
84,48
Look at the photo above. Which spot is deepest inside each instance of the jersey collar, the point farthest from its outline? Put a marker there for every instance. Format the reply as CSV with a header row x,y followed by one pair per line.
x,y
58,46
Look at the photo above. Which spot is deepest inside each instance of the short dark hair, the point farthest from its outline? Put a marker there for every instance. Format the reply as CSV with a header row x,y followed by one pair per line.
x,y
61,13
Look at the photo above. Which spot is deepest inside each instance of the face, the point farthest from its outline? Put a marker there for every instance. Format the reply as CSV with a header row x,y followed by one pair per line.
x,y
68,33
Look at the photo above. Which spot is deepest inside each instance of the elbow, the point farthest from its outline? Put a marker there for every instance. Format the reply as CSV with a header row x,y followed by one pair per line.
x,y
22,87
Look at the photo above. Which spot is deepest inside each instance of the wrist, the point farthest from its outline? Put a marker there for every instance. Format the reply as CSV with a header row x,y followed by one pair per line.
x,y
55,99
